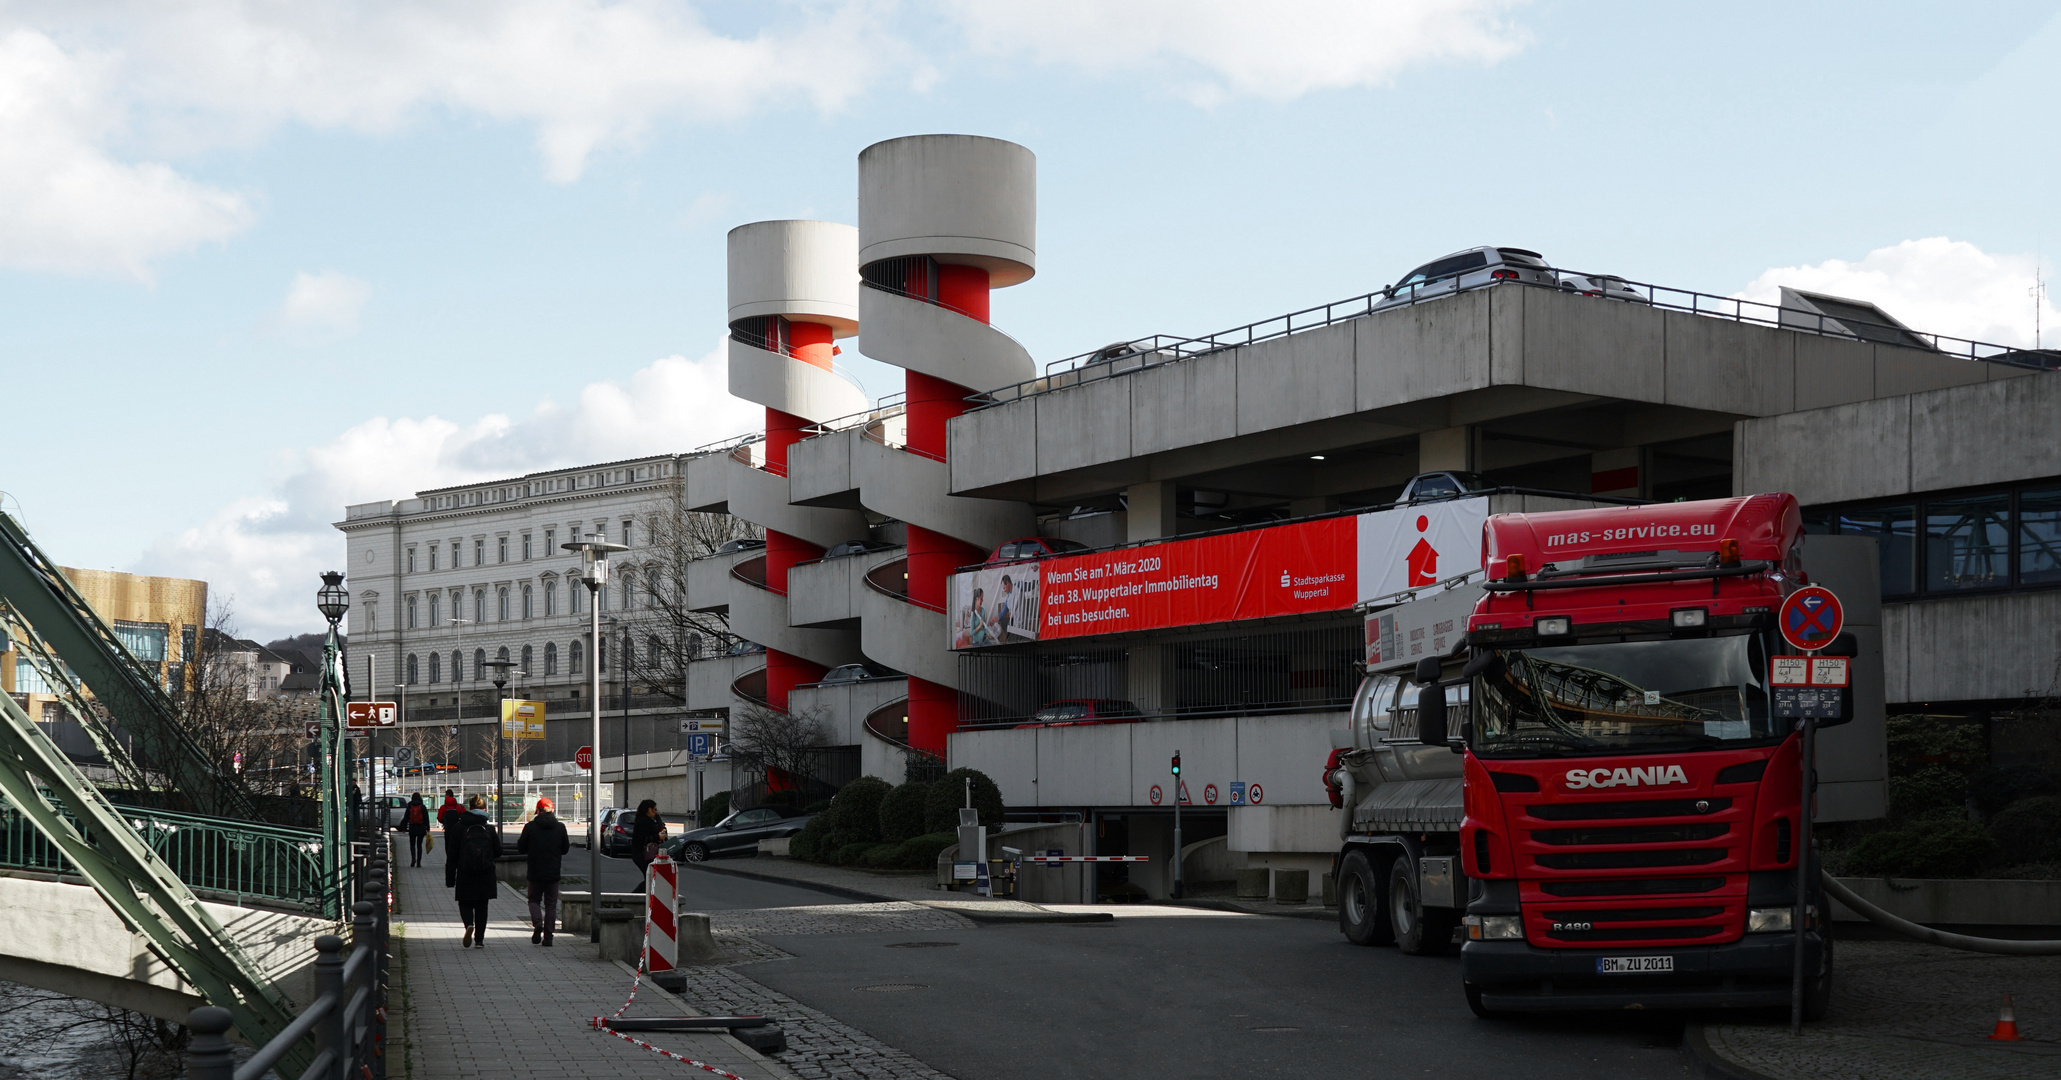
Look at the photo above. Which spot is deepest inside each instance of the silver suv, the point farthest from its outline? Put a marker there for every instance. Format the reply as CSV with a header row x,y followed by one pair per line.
x,y
1468,269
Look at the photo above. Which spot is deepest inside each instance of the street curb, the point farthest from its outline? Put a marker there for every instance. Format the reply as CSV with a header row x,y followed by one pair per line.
x,y
1321,914
998,918
817,886
1715,1064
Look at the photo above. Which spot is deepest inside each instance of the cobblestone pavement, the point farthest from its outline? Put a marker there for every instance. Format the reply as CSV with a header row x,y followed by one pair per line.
x,y
818,1047
1908,1011
516,1011
835,919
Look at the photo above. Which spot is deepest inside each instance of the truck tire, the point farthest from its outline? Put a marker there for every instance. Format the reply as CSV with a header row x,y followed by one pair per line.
x,y
1419,931
1362,917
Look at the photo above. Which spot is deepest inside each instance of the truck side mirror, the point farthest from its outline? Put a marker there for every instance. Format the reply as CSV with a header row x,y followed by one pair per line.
x,y
1431,715
1428,670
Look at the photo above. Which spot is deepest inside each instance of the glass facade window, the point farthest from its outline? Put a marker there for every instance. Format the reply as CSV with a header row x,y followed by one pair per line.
x,y
1894,529
2039,536
1967,543
146,641
28,680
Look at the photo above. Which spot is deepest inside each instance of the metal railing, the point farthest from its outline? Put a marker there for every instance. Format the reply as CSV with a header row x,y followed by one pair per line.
x,y
347,1019
1144,354
238,860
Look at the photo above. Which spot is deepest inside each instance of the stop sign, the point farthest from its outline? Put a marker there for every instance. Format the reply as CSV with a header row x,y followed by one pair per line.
x,y
584,757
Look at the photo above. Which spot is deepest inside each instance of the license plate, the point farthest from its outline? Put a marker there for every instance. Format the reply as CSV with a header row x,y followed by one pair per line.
x,y
1632,965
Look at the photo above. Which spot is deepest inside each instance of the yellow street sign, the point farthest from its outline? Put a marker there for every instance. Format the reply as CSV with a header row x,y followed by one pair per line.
x,y
522,719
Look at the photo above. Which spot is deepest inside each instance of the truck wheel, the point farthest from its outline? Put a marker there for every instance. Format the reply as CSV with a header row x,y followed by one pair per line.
x,y
1362,918
1474,1002
1418,931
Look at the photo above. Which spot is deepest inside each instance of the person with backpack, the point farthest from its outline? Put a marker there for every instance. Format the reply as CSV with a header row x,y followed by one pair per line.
x,y
479,848
448,816
545,842
416,820
647,832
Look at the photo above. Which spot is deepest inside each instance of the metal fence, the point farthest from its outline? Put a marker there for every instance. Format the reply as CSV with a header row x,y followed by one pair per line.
x,y
1141,354
1294,668
238,860
347,1019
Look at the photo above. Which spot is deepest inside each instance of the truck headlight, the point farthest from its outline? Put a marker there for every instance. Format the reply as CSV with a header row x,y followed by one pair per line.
x,y
1769,920
1494,927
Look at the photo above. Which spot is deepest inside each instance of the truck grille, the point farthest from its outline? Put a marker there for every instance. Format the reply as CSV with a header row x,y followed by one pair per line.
x,y
1638,933
1620,860
1633,834
1644,887
1596,871
1647,808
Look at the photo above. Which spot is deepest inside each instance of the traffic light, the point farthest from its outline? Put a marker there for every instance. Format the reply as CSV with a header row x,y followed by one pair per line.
x,y
1177,763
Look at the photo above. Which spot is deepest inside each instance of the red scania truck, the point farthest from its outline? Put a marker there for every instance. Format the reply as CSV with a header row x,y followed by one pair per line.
x,y
1589,784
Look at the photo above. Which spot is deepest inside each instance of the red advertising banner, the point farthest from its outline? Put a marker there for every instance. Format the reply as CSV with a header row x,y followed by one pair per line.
x,y
1287,570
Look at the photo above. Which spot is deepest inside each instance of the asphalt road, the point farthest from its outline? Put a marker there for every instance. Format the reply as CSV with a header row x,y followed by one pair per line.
x,y
1193,997
701,892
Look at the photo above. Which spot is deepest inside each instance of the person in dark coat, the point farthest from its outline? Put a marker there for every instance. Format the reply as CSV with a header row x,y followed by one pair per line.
x,y
448,816
479,848
545,842
647,831
415,818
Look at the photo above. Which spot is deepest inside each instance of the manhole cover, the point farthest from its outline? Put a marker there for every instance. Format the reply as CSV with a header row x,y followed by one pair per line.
x,y
923,945
892,988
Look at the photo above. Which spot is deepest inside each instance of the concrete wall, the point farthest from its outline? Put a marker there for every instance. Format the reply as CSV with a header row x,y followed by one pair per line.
x,y
1973,648
760,615
1116,765
64,938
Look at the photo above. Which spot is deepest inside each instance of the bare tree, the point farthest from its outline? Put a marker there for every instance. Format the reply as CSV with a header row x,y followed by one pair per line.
x,y
660,618
258,741
790,742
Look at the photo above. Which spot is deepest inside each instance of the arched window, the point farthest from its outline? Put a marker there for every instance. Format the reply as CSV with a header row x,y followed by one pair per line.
x,y
479,663
601,652
436,668
411,613
572,596
550,598
457,666
479,609
528,605
412,670
629,654
501,604
433,598
653,653
601,597
550,658
577,653
527,656
651,590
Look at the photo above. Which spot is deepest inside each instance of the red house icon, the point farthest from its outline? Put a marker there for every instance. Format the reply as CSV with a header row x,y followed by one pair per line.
x,y
1423,558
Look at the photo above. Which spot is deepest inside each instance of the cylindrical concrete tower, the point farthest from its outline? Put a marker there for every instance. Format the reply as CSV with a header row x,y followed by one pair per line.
x,y
793,292
943,219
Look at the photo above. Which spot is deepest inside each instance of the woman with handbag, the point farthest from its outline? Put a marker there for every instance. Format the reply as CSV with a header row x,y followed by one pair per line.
x,y
647,831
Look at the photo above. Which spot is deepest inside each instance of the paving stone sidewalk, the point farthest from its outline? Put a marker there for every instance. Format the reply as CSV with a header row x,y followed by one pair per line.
x,y
1908,1011
516,1011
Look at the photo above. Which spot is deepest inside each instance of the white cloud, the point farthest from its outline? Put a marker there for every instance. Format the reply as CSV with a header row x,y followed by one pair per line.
x,y
265,550
1935,285
88,92
1210,50
326,303
69,206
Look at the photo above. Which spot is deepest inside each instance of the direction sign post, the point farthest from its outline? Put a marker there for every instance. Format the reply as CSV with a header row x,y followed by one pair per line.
x,y
1810,620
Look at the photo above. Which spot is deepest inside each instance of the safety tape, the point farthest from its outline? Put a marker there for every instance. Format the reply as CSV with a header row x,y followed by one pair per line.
x,y
643,951
682,1058
1087,858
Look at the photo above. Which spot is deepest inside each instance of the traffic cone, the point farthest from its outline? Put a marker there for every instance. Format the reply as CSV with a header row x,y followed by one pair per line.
x,y
2007,1024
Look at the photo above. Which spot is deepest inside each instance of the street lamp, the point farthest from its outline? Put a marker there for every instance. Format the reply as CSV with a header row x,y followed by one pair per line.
x,y
332,600
594,557
500,666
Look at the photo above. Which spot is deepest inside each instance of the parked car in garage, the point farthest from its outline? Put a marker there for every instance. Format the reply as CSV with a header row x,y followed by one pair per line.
x,y
1468,269
738,834
1034,547
844,674
1439,486
855,547
1084,711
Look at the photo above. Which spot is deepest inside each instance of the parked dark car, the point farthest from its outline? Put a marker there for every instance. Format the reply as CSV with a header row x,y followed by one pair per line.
x,y
844,674
1034,547
856,547
1084,711
1439,486
615,830
738,834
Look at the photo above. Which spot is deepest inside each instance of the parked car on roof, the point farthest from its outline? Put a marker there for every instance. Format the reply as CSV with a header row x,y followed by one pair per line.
x,y
1437,486
1608,286
845,674
1468,269
856,547
738,834
1070,711
1034,547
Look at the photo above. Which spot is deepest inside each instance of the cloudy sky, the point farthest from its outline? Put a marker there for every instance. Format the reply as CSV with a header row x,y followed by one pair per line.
x,y
262,259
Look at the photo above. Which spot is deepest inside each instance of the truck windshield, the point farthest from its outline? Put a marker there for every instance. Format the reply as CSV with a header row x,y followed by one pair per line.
x,y
1624,697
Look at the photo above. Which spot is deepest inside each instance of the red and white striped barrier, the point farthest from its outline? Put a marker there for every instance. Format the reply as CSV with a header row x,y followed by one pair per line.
x,y
1086,858
661,926
682,1058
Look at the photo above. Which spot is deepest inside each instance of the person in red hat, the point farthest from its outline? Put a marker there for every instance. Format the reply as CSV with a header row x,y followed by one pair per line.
x,y
545,842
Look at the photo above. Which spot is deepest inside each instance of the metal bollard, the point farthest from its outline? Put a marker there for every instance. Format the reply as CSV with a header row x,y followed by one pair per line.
x,y
208,1056
329,1031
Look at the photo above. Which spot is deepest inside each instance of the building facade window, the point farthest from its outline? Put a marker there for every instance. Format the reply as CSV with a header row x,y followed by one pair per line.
x,y
501,549
528,610
1949,543
550,542
577,652
479,551
550,658
457,666
479,606
433,598
413,670
525,547
436,668
432,556
411,560
601,654
627,531
572,596
527,656
550,598
411,613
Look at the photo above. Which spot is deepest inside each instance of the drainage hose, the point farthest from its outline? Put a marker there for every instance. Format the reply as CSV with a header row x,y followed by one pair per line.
x,y
1906,927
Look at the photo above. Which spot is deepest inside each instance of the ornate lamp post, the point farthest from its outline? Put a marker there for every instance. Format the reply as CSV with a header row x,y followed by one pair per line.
x,y
594,555
333,600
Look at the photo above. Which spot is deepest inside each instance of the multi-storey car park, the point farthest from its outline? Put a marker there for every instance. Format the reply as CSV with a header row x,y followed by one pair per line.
x,y
1934,447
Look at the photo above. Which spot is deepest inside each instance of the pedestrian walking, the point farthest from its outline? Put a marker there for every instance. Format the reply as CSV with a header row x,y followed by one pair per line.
x,y
479,849
448,817
545,842
647,831
416,819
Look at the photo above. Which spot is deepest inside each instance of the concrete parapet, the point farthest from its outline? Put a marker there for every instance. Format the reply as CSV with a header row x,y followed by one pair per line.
x,y
1942,902
962,199
796,269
